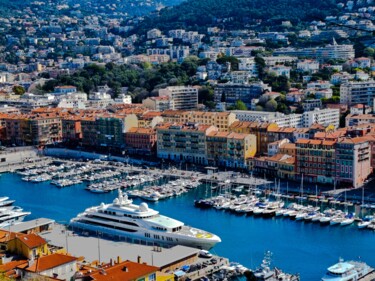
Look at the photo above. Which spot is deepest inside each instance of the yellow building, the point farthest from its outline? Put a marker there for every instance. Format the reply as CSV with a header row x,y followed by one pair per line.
x,y
29,246
260,130
26,245
183,142
149,119
230,149
221,120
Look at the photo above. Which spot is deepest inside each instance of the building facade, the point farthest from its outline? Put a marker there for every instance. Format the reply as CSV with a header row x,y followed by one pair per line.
x,y
184,98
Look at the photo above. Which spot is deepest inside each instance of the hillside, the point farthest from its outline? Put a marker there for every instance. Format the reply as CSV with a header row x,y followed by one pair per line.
x,y
237,13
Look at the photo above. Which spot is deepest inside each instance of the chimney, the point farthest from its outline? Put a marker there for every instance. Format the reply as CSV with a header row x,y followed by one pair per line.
x,y
118,259
110,262
139,259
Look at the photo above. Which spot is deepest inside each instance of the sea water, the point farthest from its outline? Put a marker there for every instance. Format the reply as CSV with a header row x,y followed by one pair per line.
x,y
298,247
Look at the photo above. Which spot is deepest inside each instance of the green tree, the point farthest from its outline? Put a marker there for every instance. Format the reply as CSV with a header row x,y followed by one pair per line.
x,y
369,52
229,59
205,94
271,105
18,90
261,65
240,105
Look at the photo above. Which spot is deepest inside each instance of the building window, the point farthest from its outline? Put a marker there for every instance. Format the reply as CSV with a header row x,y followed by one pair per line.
x,y
152,277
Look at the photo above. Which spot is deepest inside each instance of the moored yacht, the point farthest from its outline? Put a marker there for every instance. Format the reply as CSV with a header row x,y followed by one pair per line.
x,y
11,216
347,271
139,223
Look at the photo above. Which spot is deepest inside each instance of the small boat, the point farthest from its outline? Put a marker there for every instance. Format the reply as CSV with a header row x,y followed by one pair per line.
x,y
325,219
366,221
363,224
280,212
336,220
348,220
98,190
300,216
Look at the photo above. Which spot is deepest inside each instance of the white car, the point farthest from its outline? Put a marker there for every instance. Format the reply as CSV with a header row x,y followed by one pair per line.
x,y
205,254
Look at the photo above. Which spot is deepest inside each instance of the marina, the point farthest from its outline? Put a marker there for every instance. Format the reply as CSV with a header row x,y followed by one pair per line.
x,y
284,237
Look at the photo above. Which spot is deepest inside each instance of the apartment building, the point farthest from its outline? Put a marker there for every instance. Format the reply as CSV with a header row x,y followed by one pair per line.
x,y
34,129
357,92
230,149
282,120
159,103
359,119
106,130
71,129
315,160
353,161
323,117
183,142
231,93
141,141
184,98
221,120
333,51
260,130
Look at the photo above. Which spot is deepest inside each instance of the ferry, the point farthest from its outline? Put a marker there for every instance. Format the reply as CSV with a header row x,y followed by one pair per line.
x,y
139,223
347,271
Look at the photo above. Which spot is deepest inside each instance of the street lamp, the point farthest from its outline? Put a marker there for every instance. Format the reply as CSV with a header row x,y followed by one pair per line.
x,y
98,233
64,223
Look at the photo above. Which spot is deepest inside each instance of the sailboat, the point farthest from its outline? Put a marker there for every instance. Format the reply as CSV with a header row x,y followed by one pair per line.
x,y
349,218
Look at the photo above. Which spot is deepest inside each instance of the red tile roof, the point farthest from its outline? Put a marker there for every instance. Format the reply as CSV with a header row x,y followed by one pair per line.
x,y
32,240
125,271
51,261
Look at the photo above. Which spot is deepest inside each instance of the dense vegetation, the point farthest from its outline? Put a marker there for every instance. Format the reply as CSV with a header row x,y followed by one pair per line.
x,y
142,81
237,13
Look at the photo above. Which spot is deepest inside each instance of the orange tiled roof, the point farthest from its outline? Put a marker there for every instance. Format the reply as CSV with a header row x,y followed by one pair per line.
x,y
32,240
354,140
219,134
12,265
135,130
126,270
51,261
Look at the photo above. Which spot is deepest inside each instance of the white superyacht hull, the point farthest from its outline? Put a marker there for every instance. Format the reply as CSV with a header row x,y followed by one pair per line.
x,y
166,239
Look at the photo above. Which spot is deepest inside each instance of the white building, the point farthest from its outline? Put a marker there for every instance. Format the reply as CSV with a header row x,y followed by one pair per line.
x,y
282,120
280,70
249,65
323,117
360,109
362,92
124,99
311,66
184,98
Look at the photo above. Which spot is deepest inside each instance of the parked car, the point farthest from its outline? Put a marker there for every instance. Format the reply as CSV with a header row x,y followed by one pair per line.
x,y
205,254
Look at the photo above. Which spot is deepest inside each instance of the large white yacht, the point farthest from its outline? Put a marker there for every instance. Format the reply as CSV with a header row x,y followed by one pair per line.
x,y
140,224
9,216
347,271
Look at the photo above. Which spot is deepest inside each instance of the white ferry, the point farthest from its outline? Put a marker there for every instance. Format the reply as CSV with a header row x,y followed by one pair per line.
x,y
347,271
139,223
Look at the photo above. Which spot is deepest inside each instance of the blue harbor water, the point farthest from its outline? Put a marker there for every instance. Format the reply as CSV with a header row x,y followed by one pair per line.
x,y
298,247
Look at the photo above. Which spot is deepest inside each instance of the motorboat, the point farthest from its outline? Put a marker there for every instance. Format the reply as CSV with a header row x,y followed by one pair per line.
x,y
347,271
